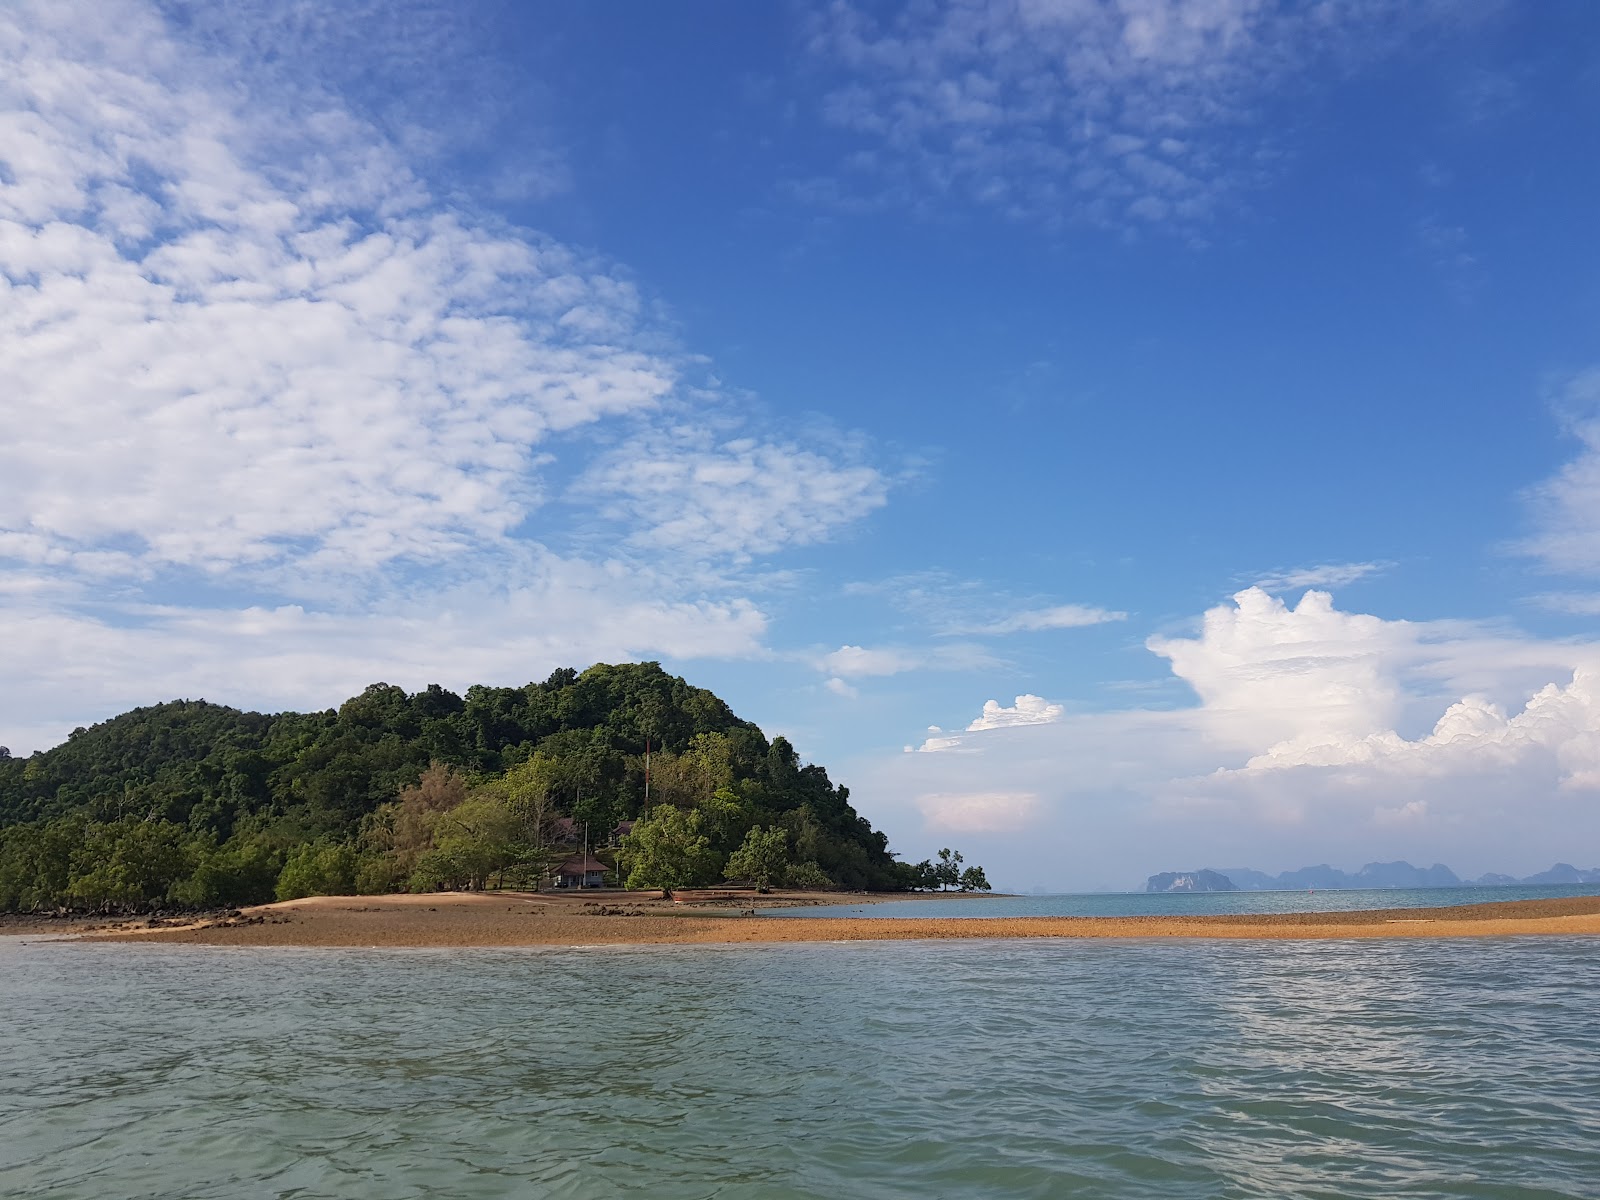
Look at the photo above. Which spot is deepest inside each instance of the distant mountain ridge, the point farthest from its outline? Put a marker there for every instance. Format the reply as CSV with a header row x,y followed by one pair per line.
x,y
1190,881
1373,875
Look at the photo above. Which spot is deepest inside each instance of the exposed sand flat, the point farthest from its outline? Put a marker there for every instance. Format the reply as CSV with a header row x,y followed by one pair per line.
x,y
522,919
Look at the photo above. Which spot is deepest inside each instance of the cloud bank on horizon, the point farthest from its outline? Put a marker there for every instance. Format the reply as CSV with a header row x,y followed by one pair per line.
x,y
1294,750
387,342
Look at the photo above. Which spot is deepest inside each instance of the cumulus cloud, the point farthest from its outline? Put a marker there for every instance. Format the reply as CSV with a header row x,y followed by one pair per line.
x,y
1559,727
857,661
1317,735
1261,668
1027,710
1129,114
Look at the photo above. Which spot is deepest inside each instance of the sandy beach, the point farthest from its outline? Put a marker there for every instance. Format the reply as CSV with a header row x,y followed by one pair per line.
x,y
530,919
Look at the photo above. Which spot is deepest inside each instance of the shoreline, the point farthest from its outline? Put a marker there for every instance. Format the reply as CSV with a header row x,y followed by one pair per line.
x,y
479,919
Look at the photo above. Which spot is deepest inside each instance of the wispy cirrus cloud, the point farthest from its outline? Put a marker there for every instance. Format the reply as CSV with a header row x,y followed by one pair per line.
x,y
682,489
956,607
1324,576
1566,507
863,662
1059,616
1139,114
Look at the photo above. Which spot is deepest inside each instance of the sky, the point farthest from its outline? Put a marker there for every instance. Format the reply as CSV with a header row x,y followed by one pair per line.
x,y
1112,437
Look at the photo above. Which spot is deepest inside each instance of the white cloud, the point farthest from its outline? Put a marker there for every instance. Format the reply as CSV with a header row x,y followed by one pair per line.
x,y
858,661
1558,728
1324,576
1318,735
1566,508
977,812
1062,616
1140,113
1261,668
252,360
75,659
1027,710
1578,604
954,606
840,688
252,363
683,490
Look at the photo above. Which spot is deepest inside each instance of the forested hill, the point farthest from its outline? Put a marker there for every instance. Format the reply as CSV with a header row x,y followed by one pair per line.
x,y
195,803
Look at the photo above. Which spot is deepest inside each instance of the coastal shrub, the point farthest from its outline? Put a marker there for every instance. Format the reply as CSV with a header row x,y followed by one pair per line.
x,y
128,863
319,868
239,873
378,875
807,875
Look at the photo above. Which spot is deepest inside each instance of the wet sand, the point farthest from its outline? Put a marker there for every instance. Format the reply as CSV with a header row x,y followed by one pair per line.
x,y
527,919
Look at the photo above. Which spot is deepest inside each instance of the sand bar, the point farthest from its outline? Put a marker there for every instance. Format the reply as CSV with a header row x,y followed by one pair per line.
x,y
526,919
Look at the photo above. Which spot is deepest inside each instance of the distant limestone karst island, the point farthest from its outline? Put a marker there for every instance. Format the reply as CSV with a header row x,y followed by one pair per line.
x,y
1373,875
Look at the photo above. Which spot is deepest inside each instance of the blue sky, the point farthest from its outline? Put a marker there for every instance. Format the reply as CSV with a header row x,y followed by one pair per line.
x,y
867,364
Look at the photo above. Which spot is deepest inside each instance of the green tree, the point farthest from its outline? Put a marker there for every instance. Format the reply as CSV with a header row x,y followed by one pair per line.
x,y
128,863
321,868
763,857
668,849
725,818
477,840
948,869
809,876
243,871
530,790
397,836
974,880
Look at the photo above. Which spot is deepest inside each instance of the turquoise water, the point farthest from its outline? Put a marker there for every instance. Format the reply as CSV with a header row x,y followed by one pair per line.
x,y
1208,904
961,1069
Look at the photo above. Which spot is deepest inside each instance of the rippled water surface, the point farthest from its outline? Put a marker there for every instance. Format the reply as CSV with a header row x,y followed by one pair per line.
x,y
1194,904
959,1069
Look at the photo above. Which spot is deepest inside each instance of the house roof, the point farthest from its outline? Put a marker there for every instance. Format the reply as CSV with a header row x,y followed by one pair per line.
x,y
578,864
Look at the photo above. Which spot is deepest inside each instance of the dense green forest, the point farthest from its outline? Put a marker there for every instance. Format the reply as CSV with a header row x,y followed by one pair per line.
x,y
195,805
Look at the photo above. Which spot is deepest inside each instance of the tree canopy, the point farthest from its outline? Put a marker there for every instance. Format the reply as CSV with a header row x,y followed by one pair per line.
x,y
196,804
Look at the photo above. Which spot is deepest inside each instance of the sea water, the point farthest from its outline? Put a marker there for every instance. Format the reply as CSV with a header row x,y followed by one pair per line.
x,y
1193,904
984,1069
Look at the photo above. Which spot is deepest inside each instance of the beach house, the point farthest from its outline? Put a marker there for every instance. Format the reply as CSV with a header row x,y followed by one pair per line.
x,y
581,871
